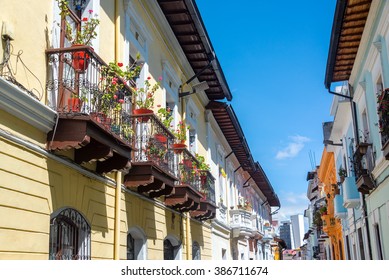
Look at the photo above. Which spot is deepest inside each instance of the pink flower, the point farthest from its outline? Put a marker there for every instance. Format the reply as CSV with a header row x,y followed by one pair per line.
x,y
114,82
120,64
115,97
121,101
160,78
90,11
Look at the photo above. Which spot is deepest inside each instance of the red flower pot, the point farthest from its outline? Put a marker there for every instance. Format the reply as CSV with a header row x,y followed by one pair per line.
x,y
178,147
160,138
74,104
142,111
80,60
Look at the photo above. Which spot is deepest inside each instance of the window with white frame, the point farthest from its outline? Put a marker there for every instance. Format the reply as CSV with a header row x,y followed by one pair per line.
x,y
170,84
69,236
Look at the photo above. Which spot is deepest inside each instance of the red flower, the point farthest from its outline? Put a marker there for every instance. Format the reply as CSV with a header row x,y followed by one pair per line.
x,y
120,64
115,96
148,78
121,101
90,11
85,19
160,78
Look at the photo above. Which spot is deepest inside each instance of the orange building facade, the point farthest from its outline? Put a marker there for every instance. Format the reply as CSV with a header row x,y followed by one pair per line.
x,y
332,226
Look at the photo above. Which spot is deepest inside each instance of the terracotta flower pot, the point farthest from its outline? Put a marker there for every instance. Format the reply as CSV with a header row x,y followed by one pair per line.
x,y
74,104
160,138
80,60
142,111
178,147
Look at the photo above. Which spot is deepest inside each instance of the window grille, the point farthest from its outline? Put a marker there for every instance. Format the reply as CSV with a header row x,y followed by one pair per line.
x,y
69,236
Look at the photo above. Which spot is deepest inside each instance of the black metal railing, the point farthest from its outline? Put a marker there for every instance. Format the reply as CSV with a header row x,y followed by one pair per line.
x,y
207,185
187,171
79,83
152,142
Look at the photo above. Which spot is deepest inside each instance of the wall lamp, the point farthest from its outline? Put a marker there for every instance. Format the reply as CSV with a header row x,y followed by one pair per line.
x,y
196,88
331,143
200,86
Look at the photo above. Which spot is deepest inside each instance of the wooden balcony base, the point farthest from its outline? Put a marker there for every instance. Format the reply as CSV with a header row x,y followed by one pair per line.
x,y
148,179
91,141
365,184
206,210
185,198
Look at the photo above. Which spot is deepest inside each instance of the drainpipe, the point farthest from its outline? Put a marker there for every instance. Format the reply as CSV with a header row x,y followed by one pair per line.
x,y
117,30
187,236
116,244
118,192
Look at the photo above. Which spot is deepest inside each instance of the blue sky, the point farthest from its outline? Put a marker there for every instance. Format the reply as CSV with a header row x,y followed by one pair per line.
x,y
274,55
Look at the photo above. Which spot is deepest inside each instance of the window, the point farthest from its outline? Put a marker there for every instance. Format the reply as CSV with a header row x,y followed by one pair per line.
x,y
168,250
348,248
377,233
171,249
361,247
69,236
130,247
224,254
196,255
136,244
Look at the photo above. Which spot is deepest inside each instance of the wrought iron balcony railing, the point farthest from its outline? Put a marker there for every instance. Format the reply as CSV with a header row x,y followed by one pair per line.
x,y
363,166
188,174
78,84
207,186
152,142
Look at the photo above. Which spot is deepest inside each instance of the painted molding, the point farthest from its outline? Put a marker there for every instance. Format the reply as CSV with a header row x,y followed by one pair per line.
x,y
25,107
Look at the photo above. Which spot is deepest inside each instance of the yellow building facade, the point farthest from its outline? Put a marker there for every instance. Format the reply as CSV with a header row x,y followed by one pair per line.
x,y
46,196
331,225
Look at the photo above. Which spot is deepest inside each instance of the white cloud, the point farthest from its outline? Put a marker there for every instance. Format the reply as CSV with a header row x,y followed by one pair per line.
x,y
293,148
291,204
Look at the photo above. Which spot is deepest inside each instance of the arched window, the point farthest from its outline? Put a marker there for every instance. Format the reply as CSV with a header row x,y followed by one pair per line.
x,y
69,236
196,254
168,250
171,249
130,247
136,244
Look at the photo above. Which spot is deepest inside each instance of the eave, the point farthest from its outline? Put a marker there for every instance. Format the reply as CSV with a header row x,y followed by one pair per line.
x,y
185,21
347,29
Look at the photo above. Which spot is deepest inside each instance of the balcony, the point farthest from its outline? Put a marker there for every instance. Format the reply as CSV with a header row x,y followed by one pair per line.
x,y
187,195
350,193
383,121
207,208
363,164
153,171
94,127
241,223
339,210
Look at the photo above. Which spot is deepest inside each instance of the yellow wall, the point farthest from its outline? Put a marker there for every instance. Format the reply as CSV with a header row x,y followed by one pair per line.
x,y
327,175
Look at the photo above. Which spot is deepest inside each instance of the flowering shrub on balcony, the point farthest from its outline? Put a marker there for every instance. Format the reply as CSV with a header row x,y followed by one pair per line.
x,y
383,112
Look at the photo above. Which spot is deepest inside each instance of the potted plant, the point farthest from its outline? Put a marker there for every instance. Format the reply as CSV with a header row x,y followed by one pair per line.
x,y
323,210
82,36
342,174
165,115
202,167
180,134
144,98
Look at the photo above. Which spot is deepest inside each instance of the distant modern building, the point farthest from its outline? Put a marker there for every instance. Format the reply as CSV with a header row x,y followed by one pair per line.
x,y
298,229
286,234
